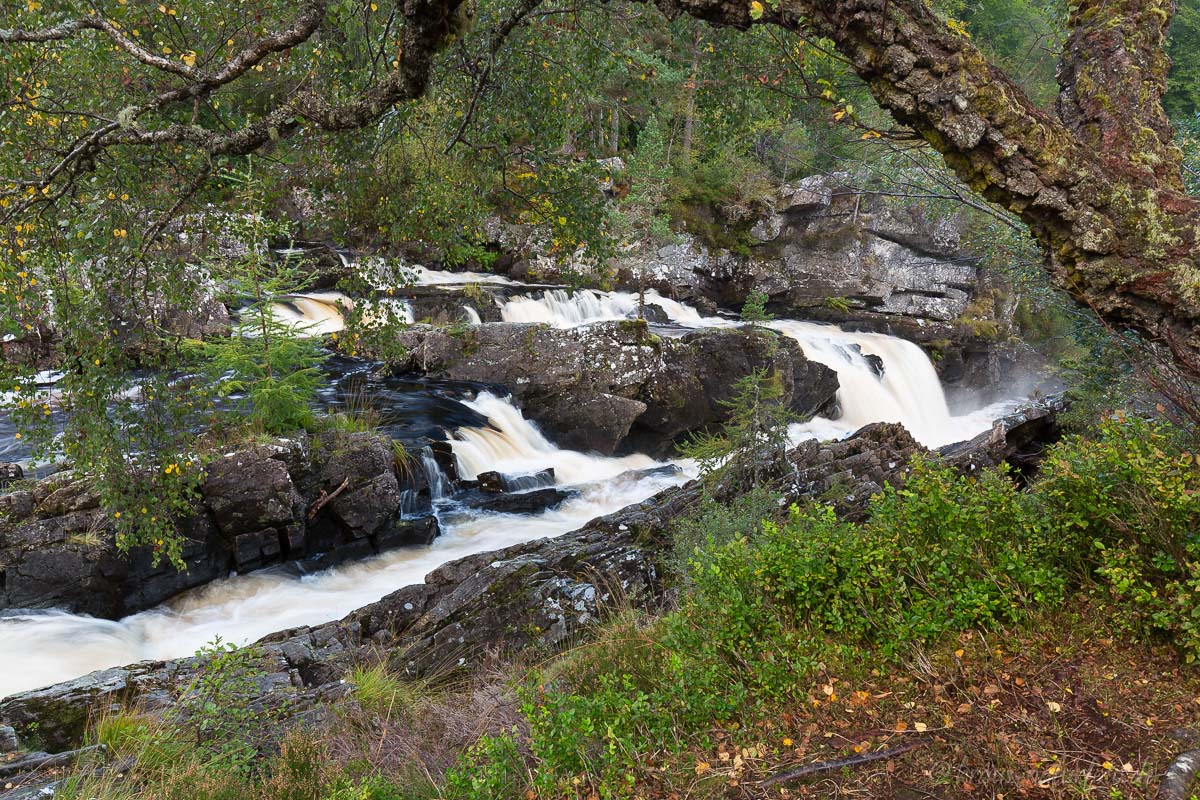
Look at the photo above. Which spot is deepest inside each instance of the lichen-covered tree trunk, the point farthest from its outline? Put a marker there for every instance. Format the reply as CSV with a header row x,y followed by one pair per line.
x,y
1098,182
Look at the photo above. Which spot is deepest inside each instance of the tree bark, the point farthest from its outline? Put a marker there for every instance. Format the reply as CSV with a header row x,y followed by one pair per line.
x,y
689,109
1098,183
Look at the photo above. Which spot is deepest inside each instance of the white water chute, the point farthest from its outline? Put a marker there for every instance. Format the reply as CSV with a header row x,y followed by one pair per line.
x,y
514,445
323,313
908,391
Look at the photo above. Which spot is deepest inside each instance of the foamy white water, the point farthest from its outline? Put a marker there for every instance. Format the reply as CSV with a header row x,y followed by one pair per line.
x,y
44,648
323,313
568,309
908,392
514,446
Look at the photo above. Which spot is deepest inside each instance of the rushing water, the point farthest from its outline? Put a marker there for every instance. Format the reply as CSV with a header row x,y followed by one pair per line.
x,y
41,648
907,392
486,433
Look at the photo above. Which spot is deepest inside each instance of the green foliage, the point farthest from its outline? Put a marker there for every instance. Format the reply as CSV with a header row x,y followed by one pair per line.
x,y
379,691
837,304
755,308
1125,505
218,709
763,610
491,767
267,365
755,433
650,162
1182,100
713,523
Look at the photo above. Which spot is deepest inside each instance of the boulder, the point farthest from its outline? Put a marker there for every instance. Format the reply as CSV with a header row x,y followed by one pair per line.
x,y
693,389
10,473
263,505
57,549
614,386
533,501
8,740
255,504
826,244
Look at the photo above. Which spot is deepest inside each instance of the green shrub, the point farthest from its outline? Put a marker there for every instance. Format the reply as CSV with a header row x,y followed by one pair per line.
x,y
492,767
767,605
218,709
1125,508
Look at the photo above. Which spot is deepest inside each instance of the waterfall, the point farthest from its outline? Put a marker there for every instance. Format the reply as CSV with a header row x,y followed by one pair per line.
x,y
40,648
472,315
514,445
432,277
322,313
568,309
311,314
439,484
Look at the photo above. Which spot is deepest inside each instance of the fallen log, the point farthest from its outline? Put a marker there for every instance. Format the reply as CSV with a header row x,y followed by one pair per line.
x,y
842,763
1177,782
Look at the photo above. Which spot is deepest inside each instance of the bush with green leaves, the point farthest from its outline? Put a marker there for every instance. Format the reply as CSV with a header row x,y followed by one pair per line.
x,y
268,365
1124,505
1114,513
492,767
219,708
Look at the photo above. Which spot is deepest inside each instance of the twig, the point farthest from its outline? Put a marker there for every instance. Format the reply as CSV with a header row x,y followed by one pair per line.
x,y
840,763
325,499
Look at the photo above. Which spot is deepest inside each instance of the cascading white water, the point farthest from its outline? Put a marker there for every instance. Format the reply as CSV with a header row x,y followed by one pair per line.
x,y
564,309
323,313
310,314
439,485
44,648
908,392
514,445
432,277
472,315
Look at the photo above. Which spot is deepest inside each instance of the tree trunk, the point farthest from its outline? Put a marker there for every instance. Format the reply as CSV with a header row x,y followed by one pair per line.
x,y
614,141
1098,183
689,109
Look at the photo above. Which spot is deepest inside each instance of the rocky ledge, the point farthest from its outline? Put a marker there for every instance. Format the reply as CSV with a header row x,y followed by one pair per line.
x,y
315,503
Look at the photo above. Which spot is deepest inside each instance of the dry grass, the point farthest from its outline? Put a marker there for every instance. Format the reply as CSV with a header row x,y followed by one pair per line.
x,y
414,730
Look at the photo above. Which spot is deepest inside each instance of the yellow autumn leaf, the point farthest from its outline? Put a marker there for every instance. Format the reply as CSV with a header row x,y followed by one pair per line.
x,y
756,10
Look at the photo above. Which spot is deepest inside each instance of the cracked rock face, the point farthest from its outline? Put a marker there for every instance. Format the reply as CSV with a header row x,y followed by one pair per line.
x,y
824,241
58,550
